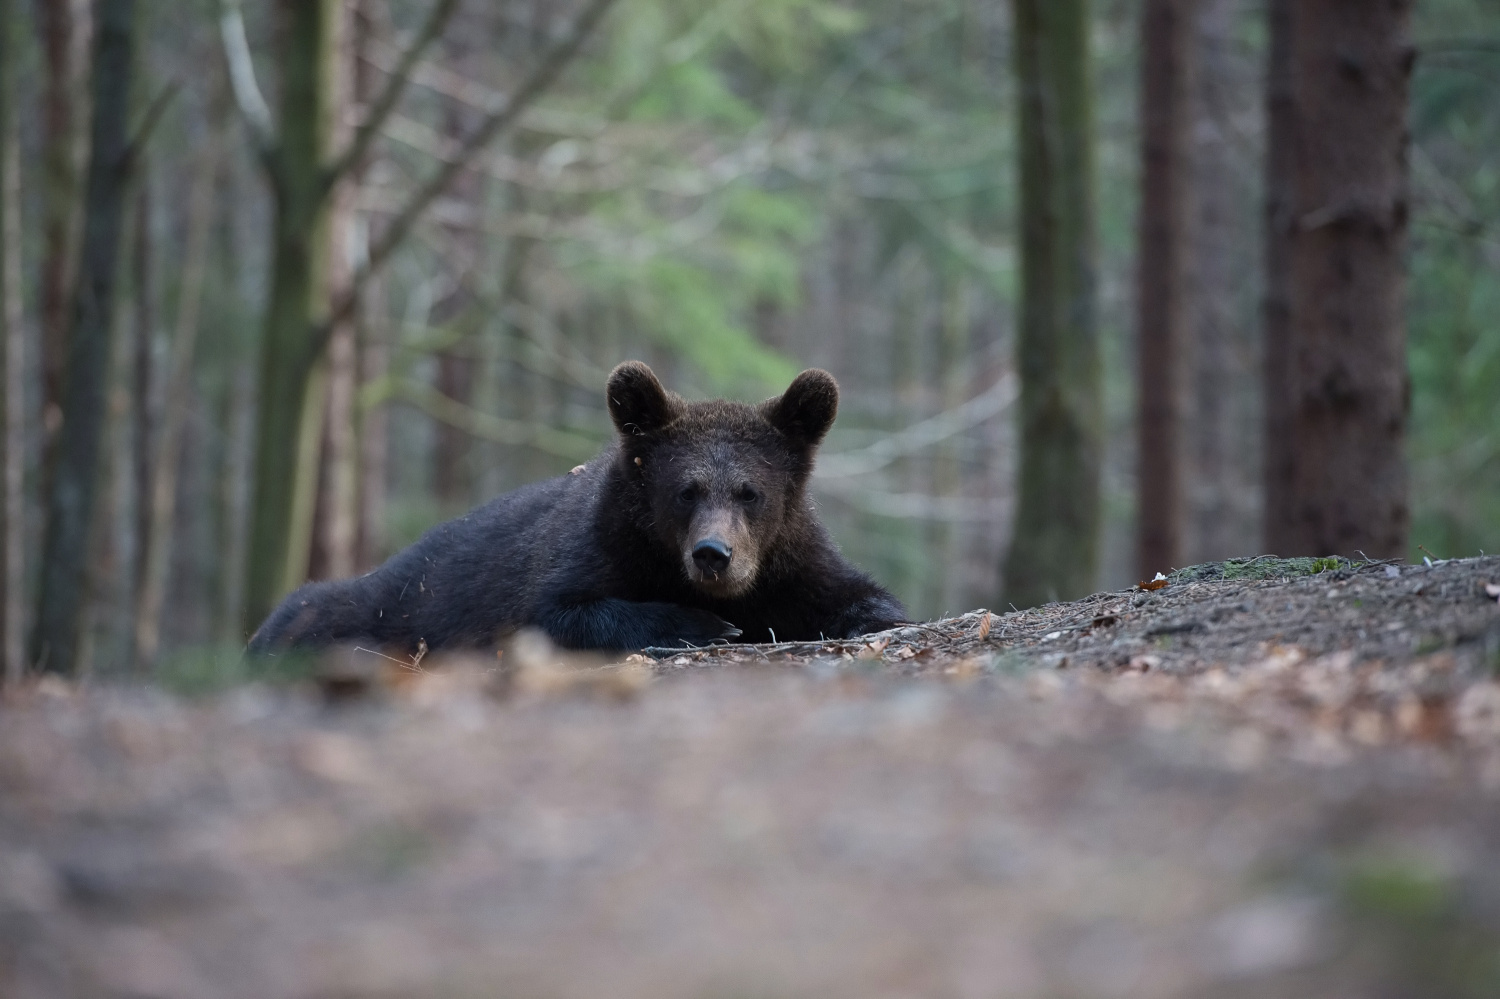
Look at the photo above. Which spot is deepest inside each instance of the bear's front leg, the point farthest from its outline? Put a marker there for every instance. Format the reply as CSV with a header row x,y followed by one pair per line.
x,y
875,611
624,624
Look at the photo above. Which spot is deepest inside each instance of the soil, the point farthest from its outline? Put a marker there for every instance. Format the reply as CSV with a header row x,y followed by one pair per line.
x,y
1229,786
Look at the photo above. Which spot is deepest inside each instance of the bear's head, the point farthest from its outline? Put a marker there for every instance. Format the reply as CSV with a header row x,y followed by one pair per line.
x,y
723,484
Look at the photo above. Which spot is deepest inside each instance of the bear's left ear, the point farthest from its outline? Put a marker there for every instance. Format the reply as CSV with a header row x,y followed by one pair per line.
x,y
805,411
637,402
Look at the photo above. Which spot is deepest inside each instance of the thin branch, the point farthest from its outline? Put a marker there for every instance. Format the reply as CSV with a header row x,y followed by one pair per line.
x,y
395,86
497,123
862,461
149,120
476,423
247,96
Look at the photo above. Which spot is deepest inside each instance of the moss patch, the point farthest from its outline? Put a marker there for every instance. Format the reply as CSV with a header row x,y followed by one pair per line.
x,y
1262,567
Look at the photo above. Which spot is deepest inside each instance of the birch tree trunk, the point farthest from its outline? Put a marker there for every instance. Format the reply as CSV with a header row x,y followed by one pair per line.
x,y
1054,547
336,528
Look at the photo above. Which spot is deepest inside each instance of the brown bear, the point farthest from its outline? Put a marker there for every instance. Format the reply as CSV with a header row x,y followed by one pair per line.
x,y
693,526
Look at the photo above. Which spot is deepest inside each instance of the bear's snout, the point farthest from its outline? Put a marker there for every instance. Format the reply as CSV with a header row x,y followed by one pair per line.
x,y
712,556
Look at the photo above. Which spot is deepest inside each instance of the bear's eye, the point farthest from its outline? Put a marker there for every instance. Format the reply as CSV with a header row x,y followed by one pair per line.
x,y
688,495
746,494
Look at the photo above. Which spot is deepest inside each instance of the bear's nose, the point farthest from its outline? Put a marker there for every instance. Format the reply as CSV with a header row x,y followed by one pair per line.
x,y
712,555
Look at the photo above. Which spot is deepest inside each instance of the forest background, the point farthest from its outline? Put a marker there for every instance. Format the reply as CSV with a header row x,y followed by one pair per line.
x,y
727,190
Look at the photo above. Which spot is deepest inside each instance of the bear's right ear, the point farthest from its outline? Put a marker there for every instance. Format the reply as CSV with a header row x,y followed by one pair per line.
x,y
637,402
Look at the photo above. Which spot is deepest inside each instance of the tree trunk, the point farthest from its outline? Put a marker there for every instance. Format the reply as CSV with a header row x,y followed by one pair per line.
x,y
1279,463
1161,292
239,419
71,498
161,503
336,528
298,303
374,443
1223,427
452,467
12,341
373,355
1348,388
1054,544
59,30
142,389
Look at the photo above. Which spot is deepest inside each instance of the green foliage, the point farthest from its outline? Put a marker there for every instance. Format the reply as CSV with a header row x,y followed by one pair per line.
x,y
1262,567
701,231
691,291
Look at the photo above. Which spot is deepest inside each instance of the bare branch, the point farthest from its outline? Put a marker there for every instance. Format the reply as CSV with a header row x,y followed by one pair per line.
x,y
247,96
478,424
149,120
862,461
496,124
395,86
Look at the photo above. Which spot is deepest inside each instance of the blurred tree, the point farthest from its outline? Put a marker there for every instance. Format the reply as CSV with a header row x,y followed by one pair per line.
x,y
1343,488
161,493
303,170
12,356
70,499
335,512
61,25
1167,53
1280,460
1223,422
455,311
143,388
1054,544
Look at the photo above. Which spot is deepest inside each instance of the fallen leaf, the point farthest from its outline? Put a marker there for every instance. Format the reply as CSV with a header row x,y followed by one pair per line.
x,y
905,652
964,669
872,650
1155,583
1477,716
1426,718
984,626
1143,663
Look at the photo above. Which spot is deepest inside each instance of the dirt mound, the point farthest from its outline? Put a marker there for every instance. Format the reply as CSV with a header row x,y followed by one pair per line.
x,y
1228,786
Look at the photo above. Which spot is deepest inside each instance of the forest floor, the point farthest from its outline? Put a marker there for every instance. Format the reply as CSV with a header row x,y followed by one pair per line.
x,y
1251,782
